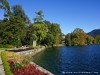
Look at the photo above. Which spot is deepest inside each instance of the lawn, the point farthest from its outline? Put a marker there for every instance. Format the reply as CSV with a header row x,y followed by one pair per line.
x,y
4,48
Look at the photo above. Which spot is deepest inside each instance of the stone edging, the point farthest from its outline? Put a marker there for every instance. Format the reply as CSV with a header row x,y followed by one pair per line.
x,y
32,53
42,69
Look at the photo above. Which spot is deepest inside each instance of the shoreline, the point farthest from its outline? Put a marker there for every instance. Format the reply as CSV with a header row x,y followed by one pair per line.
x,y
33,52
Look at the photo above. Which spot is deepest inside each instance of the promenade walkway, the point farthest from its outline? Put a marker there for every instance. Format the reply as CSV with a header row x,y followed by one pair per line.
x,y
1,66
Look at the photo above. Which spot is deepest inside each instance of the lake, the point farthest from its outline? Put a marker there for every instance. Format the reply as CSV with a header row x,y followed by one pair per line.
x,y
70,60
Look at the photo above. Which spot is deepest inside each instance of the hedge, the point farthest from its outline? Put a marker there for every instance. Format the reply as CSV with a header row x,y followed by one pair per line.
x,y
6,46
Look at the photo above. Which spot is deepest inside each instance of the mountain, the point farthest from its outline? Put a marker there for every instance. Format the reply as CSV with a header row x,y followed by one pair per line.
x,y
94,32
0,20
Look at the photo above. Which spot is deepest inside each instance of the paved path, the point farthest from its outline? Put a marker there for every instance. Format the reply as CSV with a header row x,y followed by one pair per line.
x,y
1,66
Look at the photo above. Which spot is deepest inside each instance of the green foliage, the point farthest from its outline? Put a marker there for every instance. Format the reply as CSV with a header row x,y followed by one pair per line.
x,y
89,39
4,49
5,6
54,33
12,31
78,30
39,16
28,40
76,38
49,40
18,11
79,37
17,66
36,47
6,46
68,39
97,38
6,64
34,37
39,29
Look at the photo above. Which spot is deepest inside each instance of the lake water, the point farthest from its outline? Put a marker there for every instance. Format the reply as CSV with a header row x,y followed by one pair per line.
x,y
80,60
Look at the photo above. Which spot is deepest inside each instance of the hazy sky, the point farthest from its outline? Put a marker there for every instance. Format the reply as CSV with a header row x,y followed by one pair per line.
x,y
70,14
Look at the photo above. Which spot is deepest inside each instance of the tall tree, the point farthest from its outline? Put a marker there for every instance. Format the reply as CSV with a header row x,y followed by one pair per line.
x,y
39,17
49,40
5,6
18,30
39,29
68,39
97,38
78,37
89,39
12,31
55,31
4,32
18,11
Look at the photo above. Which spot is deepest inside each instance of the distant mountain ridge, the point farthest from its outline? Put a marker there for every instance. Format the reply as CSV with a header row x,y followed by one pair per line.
x,y
0,20
94,32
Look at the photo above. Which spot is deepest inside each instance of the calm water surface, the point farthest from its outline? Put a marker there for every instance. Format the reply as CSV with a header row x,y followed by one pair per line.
x,y
70,59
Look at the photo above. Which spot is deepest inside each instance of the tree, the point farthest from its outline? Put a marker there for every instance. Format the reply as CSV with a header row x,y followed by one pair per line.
x,y
29,35
79,36
76,38
12,31
68,39
39,17
18,11
5,35
97,38
49,40
18,30
5,6
55,30
89,39
39,29
47,22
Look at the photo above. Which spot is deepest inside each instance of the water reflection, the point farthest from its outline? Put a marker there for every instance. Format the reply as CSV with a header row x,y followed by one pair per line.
x,y
70,59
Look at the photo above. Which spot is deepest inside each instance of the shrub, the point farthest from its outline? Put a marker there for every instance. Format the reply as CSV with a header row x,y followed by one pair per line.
x,y
27,59
36,47
6,46
9,46
12,56
17,66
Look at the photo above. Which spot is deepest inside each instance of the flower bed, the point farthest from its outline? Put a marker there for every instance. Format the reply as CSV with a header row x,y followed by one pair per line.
x,y
26,70
19,65
20,50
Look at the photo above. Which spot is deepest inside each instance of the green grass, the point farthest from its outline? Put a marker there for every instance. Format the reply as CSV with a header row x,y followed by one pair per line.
x,y
4,48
